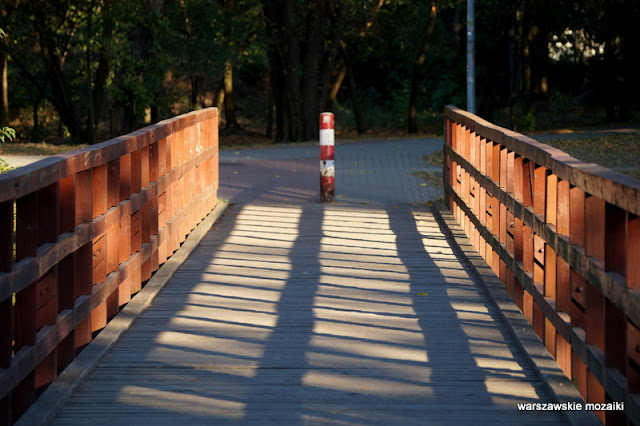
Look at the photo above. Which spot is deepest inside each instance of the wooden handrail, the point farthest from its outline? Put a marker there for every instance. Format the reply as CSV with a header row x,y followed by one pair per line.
x,y
564,238
81,232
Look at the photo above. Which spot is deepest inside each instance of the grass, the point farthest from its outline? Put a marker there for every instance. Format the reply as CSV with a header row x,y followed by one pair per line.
x,y
620,152
40,148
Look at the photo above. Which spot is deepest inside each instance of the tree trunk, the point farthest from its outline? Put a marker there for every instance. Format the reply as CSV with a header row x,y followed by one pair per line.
x,y
515,64
36,131
357,113
302,52
218,99
270,107
335,88
418,66
4,112
141,38
90,131
62,98
229,104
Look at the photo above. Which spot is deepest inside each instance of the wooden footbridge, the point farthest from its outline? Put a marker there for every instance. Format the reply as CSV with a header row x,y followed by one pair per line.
x,y
306,313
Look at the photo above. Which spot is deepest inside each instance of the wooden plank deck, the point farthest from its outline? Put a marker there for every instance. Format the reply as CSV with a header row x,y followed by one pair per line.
x,y
315,314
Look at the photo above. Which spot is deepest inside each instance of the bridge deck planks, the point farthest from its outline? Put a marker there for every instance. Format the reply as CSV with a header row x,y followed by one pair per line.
x,y
316,314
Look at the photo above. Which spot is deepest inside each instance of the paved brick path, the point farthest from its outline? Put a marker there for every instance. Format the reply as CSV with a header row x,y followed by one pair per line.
x,y
373,172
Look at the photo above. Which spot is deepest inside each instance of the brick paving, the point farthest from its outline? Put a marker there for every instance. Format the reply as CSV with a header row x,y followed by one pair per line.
x,y
367,172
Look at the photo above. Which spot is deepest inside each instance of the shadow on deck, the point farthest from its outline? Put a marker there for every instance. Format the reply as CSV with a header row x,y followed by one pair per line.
x,y
314,314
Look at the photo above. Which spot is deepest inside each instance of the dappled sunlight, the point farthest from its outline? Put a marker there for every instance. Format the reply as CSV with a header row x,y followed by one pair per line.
x,y
363,348
364,385
181,402
320,314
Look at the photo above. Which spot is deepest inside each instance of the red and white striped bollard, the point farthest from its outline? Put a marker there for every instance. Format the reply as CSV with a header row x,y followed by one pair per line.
x,y
327,151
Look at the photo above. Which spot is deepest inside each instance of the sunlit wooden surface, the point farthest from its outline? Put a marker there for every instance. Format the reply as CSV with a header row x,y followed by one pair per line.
x,y
316,314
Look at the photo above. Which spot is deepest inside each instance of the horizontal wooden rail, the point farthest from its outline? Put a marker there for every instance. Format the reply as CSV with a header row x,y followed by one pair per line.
x,y
81,232
564,238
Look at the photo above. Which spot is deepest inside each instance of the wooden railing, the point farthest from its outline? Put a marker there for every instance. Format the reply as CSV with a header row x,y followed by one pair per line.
x,y
81,232
564,238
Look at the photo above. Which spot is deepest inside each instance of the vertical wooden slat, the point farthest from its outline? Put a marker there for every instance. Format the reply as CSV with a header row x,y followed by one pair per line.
x,y
633,354
615,244
576,216
633,252
552,200
595,223
153,161
84,196
578,299
503,166
48,208
595,318
26,226
46,307
527,249
162,156
6,261
125,177
528,182
563,355
595,330
563,216
113,178
46,302
25,300
510,176
496,157
136,172
482,155
67,187
550,291
169,151
136,241
615,335
527,307
615,324
83,283
100,190
144,165
563,285
6,306
540,191
66,297
518,239
579,374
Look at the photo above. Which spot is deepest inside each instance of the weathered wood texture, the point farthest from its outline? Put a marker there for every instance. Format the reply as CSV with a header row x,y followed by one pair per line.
x,y
316,314
81,232
564,238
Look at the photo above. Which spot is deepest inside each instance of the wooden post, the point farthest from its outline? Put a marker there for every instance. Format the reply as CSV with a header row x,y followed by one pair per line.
x,y
327,160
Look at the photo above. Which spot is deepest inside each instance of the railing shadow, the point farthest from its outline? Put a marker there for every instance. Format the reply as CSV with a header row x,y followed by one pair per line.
x,y
311,314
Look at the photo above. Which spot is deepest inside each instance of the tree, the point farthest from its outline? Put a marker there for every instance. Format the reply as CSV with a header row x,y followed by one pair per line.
x,y
47,46
6,133
4,71
303,43
418,67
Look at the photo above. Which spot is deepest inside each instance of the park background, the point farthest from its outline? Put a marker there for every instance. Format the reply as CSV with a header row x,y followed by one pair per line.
x,y
83,71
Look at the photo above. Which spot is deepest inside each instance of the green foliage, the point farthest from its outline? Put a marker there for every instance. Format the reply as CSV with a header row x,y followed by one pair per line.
x,y
526,121
4,166
169,56
6,134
